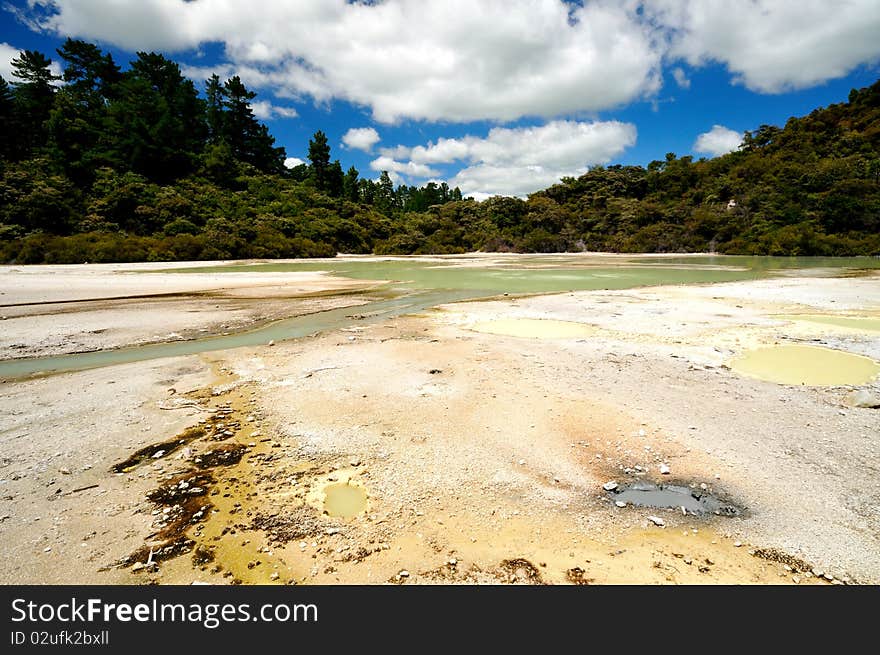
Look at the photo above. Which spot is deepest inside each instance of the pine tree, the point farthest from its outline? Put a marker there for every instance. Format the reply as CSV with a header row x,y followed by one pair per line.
x,y
384,200
34,96
156,125
335,180
88,73
350,187
8,129
75,123
319,156
249,139
215,107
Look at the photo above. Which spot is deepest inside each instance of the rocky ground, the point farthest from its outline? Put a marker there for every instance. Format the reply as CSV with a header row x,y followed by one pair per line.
x,y
482,457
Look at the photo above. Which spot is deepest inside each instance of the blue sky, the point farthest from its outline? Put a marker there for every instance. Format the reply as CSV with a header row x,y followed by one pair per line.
x,y
496,96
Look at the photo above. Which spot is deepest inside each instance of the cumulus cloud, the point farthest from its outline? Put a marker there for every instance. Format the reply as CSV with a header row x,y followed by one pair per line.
x,y
266,111
293,162
8,53
772,45
478,60
409,168
718,141
516,161
361,138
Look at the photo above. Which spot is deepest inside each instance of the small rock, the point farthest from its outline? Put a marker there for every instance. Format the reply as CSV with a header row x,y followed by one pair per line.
x,y
271,343
704,486
863,398
274,576
403,574
610,486
47,549
453,562
656,520
138,566
522,462
737,544
828,577
664,469
620,503
641,433
64,470
158,454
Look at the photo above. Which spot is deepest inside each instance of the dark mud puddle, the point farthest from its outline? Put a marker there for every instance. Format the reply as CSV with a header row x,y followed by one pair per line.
x,y
670,496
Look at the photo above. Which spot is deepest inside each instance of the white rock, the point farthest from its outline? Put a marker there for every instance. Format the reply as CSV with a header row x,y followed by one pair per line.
x,y
664,469
863,398
610,486
737,544
620,503
403,574
656,520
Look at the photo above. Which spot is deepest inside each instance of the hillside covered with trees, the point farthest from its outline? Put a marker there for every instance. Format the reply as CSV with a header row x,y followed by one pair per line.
x,y
139,165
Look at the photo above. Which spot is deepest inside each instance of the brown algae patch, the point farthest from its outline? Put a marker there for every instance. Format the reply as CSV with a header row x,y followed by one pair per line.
x,y
858,323
157,450
344,500
534,328
806,365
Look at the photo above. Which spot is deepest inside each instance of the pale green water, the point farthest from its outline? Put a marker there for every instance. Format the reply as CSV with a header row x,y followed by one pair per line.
x,y
806,365
848,322
344,500
417,284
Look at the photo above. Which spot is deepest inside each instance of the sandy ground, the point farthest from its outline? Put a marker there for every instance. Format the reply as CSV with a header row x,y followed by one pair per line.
x,y
54,310
481,456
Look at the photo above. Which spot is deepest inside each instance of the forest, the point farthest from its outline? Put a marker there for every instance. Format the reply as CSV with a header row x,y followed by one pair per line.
x,y
111,165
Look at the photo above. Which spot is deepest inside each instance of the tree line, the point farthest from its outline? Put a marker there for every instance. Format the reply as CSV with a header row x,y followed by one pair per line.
x,y
101,164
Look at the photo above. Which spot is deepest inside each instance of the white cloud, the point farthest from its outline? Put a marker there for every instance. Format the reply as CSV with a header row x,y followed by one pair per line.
x,y
681,78
361,138
487,60
266,111
718,141
517,161
293,162
409,168
8,53
478,60
773,45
